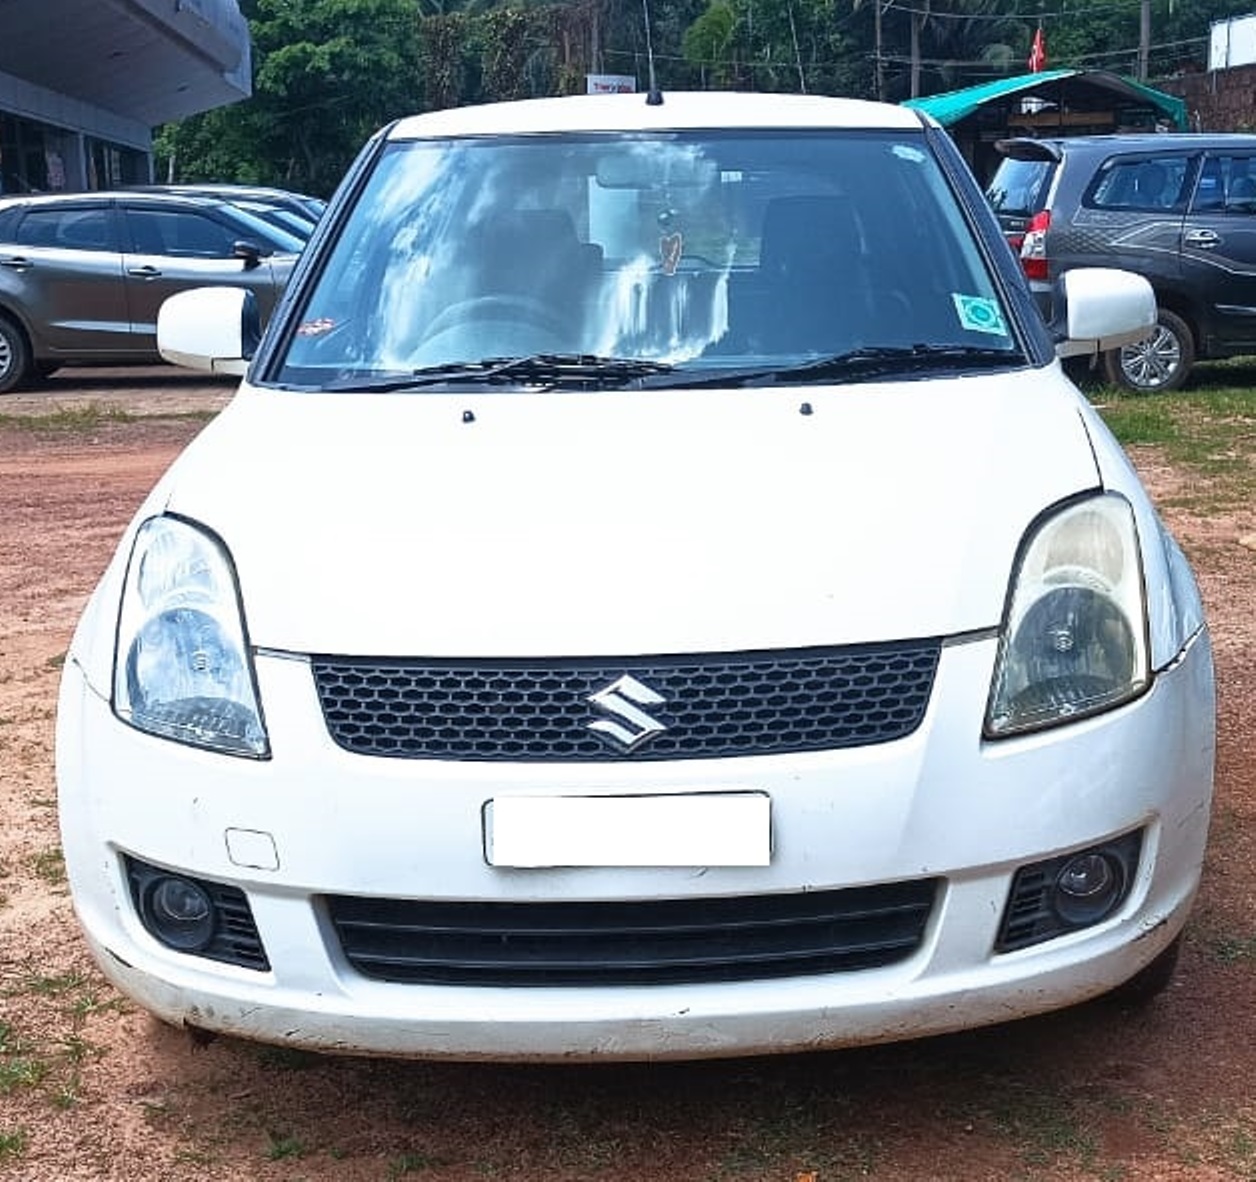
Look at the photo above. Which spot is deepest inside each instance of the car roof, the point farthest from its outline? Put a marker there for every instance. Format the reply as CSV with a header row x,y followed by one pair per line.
x,y
63,197
1054,147
677,111
228,190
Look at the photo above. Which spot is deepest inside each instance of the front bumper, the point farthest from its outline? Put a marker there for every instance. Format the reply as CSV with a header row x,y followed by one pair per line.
x,y
939,804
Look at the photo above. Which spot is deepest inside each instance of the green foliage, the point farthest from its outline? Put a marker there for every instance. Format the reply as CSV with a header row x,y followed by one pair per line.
x,y
328,73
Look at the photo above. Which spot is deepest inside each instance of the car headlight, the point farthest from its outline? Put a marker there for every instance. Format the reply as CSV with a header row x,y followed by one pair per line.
x,y
1074,639
182,667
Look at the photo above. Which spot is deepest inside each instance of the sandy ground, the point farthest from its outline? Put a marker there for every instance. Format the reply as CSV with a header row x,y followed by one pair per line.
x,y
92,1088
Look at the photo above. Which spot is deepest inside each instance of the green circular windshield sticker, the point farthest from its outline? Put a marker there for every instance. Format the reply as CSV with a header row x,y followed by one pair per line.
x,y
979,314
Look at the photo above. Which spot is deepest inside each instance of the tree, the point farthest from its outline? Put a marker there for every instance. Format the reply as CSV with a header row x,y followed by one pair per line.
x,y
327,73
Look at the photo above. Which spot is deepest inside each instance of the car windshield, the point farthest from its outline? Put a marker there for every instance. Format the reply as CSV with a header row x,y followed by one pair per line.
x,y
286,219
682,251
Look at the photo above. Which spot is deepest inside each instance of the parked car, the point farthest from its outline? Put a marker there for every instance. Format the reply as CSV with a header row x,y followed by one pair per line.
x,y
298,213
655,594
1179,209
82,275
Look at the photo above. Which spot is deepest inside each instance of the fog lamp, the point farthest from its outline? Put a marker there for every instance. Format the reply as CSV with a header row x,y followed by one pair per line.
x,y
1088,886
1069,891
179,912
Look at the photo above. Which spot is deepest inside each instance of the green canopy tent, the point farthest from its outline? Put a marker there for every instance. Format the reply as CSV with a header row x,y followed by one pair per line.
x,y
1048,103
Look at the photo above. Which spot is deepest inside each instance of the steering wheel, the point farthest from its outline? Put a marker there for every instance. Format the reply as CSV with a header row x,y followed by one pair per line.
x,y
514,310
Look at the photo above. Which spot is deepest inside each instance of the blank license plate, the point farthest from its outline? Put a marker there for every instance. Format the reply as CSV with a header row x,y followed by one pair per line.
x,y
695,829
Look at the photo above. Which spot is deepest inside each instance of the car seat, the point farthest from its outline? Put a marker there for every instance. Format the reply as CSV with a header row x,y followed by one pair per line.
x,y
1149,186
1242,193
815,276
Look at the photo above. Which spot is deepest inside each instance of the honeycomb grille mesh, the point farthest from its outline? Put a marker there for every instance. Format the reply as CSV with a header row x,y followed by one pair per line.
x,y
709,706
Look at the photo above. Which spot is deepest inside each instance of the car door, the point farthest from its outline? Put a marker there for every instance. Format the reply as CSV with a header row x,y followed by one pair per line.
x,y
1130,216
62,269
173,248
1219,246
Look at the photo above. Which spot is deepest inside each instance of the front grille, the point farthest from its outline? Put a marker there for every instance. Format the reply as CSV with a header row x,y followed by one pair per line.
x,y
757,703
632,943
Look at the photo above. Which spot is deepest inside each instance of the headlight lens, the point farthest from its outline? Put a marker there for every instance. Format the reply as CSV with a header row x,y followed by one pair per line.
x,y
1074,638
182,668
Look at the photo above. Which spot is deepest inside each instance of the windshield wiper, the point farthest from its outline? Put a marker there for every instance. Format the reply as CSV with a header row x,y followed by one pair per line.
x,y
577,371
863,364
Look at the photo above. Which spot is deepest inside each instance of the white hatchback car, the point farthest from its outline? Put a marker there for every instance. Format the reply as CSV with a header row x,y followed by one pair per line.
x,y
654,595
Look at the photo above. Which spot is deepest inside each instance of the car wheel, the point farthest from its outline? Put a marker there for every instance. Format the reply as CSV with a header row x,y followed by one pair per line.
x,y
15,356
1160,361
1150,981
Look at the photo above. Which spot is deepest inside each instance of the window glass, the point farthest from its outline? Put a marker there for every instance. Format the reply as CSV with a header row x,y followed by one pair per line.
x,y
1019,187
179,233
683,249
75,228
1147,183
1227,184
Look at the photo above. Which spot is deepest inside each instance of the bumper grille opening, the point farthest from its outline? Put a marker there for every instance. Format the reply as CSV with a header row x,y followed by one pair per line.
x,y
633,943
233,938
1036,910
712,706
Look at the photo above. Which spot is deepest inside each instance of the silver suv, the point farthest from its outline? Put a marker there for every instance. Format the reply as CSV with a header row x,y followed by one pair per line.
x,y
82,275
1177,209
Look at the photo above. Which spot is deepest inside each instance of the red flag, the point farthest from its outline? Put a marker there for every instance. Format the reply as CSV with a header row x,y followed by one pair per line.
x,y
1038,52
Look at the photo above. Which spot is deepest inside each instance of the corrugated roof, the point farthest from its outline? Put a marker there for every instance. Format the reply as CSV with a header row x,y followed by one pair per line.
x,y
951,107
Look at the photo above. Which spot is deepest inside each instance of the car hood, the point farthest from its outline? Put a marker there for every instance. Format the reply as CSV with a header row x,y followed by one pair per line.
x,y
520,524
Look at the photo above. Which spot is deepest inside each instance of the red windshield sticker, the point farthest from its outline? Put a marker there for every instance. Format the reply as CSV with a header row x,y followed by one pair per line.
x,y
670,249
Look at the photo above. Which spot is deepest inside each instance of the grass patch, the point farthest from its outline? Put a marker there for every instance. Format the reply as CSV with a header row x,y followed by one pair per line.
x,y
69,420
1045,1127
1207,431
411,1163
283,1146
78,420
50,866
12,1144
53,1064
53,986
21,1071
800,1136
1231,949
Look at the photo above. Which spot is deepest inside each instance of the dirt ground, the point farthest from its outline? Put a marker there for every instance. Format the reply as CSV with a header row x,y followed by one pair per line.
x,y
92,1088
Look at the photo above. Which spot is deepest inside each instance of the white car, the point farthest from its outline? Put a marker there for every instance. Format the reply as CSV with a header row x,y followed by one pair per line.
x,y
654,595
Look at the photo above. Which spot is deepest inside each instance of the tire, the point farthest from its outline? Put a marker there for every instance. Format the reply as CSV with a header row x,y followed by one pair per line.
x,y
15,357
1150,981
1160,362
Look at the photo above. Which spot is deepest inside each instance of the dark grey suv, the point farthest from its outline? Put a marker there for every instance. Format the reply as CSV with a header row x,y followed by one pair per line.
x,y
82,275
1178,209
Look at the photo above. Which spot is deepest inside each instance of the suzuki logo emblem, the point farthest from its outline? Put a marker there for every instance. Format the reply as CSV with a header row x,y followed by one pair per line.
x,y
631,725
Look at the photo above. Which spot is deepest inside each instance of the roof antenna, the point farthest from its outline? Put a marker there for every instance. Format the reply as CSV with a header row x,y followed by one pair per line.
x,y
655,96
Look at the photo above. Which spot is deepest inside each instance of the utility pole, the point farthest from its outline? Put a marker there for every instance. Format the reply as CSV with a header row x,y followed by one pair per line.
x,y
1144,38
917,24
880,61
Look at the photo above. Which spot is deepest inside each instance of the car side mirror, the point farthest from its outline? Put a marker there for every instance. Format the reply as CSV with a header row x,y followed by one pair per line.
x,y
251,252
1100,308
214,329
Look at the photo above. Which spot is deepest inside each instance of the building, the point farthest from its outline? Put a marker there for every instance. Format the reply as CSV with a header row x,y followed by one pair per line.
x,y
84,82
1048,103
